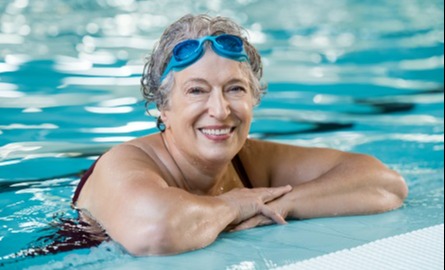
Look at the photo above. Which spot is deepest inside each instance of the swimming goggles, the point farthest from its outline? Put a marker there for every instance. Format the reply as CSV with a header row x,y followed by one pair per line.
x,y
189,51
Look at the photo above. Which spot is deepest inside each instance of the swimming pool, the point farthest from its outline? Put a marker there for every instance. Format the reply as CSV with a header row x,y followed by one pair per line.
x,y
363,76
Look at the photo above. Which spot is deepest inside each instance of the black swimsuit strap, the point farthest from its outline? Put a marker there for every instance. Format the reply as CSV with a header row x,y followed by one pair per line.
x,y
238,165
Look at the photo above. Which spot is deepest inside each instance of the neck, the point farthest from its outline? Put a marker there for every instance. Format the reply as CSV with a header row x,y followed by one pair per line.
x,y
197,175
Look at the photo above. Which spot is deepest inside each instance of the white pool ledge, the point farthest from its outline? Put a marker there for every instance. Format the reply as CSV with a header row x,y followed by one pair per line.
x,y
418,250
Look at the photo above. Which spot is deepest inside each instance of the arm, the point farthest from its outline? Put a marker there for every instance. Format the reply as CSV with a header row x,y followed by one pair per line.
x,y
137,208
328,182
355,185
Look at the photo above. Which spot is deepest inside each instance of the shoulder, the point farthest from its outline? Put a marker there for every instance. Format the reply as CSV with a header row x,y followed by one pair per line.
x,y
128,168
128,164
274,151
256,157
276,164
264,149
267,154
139,152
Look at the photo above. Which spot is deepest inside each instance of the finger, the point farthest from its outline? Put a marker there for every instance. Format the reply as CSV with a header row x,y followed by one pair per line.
x,y
271,194
256,221
249,224
271,214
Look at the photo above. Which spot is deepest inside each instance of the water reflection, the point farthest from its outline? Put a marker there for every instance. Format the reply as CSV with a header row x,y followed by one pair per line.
x,y
130,127
348,141
330,27
343,74
108,110
111,34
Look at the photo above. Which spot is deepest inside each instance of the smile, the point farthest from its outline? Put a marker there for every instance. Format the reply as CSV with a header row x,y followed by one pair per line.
x,y
217,133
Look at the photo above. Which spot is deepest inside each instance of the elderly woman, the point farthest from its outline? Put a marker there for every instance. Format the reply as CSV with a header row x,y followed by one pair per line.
x,y
177,190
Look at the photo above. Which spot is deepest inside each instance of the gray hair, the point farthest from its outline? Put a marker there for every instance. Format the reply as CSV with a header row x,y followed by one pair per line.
x,y
193,27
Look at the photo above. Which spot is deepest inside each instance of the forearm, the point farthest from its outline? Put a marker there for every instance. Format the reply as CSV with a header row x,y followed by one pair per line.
x,y
196,224
358,185
178,221
186,222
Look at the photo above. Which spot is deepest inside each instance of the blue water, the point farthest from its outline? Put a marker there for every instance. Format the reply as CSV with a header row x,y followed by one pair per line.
x,y
362,76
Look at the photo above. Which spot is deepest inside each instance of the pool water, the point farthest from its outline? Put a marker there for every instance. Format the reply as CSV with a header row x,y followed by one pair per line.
x,y
362,76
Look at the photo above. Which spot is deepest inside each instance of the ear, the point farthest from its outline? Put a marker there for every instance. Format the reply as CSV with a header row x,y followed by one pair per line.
x,y
164,117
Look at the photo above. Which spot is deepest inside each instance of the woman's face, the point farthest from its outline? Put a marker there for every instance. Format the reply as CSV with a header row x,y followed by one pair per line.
x,y
210,109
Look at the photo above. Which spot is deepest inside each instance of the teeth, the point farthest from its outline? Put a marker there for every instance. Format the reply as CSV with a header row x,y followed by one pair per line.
x,y
216,132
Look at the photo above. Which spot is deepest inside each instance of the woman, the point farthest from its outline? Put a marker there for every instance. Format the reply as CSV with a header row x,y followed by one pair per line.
x,y
176,191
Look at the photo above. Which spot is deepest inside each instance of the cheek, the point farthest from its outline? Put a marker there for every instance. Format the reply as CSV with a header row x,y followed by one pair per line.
x,y
244,110
180,118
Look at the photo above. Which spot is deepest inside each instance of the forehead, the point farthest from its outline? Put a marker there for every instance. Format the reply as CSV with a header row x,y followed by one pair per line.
x,y
213,69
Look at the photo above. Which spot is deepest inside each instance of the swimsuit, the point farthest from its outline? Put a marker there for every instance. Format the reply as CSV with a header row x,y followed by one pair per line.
x,y
236,162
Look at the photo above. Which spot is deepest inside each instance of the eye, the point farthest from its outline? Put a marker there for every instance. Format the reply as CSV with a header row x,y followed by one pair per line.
x,y
196,91
237,89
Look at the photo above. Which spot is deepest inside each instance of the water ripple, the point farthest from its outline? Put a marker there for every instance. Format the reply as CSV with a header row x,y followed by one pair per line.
x,y
345,74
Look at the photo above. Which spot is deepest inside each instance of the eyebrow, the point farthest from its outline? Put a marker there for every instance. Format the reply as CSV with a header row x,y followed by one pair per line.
x,y
195,80
204,81
237,80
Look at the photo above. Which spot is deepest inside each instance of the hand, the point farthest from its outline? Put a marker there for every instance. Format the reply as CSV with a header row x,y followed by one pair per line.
x,y
279,206
249,203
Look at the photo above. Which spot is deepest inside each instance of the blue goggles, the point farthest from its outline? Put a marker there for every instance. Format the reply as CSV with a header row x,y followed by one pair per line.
x,y
190,51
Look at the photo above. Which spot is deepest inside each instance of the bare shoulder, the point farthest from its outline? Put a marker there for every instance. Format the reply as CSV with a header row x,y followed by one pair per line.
x,y
122,170
283,148
273,162
278,152
136,159
125,154
126,191
258,158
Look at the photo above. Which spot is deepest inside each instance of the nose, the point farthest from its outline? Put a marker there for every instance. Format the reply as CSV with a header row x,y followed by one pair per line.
x,y
218,106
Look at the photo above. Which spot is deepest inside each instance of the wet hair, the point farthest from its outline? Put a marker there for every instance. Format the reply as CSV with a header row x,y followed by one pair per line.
x,y
193,27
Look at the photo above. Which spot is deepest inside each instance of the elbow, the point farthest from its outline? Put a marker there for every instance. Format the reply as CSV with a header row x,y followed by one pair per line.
x,y
392,186
153,240
170,234
401,188
389,187
394,191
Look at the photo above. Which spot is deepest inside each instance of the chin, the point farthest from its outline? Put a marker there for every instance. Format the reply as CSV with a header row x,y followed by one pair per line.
x,y
218,155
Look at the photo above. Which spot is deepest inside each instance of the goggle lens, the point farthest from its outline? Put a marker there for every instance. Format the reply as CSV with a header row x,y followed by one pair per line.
x,y
184,50
189,51
230,43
